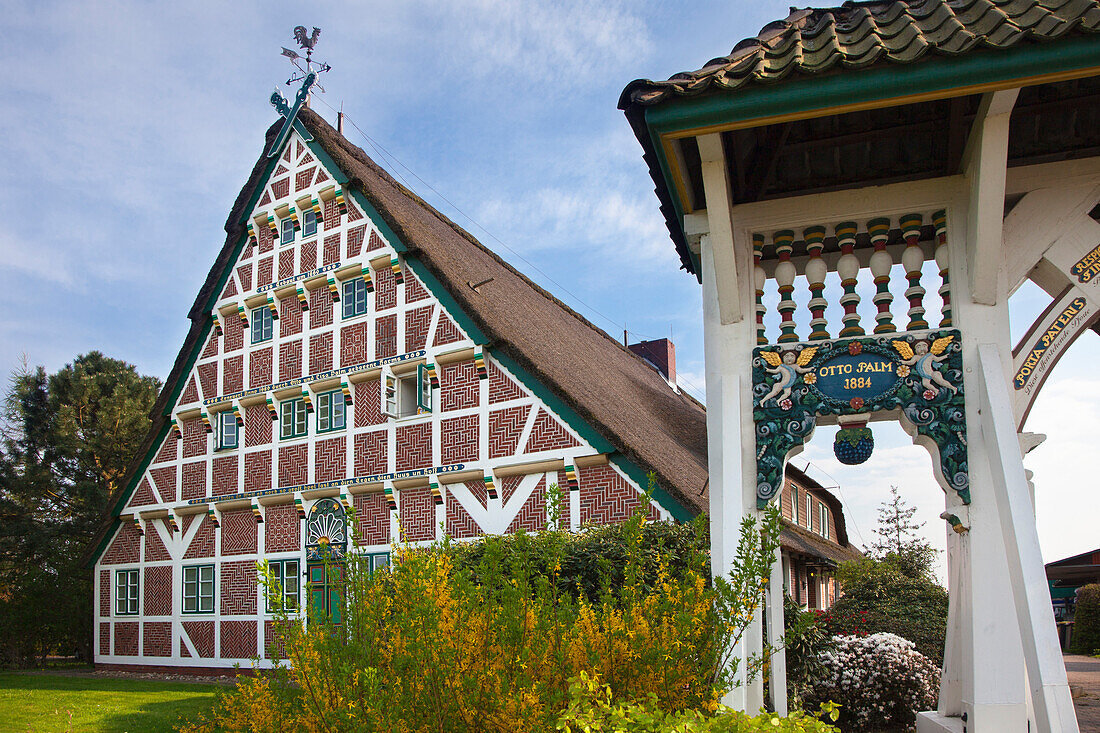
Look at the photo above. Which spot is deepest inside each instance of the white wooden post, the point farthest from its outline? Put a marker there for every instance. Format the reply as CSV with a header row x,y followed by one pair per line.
x,y
778,679
1046,672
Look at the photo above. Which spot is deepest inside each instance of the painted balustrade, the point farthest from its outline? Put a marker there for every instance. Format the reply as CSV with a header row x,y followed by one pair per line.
x,y
888,252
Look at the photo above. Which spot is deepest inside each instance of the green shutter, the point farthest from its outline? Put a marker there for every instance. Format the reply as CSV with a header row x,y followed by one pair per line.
x,y
423,388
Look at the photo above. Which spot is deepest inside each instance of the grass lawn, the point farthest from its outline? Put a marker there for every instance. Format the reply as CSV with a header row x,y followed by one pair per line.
x,y
45,703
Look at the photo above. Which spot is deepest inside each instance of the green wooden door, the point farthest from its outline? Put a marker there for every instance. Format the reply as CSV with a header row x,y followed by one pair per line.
x,y
326,589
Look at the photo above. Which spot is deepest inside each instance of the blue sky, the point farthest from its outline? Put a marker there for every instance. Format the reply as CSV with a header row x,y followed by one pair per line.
x,y
130,127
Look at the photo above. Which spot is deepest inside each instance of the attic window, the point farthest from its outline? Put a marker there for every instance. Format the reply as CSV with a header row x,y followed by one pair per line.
x,y
824,521
309,224
287,226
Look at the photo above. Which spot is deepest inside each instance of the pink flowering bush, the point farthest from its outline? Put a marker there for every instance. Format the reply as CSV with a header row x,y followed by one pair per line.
x,y
879,681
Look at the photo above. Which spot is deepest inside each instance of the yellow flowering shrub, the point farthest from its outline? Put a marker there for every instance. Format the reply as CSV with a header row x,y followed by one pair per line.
x,y
430,645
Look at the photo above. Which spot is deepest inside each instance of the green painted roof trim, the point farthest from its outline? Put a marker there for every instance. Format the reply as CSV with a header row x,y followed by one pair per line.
x,y
875,84
678,511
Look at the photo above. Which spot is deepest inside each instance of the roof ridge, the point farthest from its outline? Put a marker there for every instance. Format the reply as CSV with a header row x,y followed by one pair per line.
x,y
356,151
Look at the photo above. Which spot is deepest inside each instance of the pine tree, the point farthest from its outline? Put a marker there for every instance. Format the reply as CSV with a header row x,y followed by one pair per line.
x,y
898,540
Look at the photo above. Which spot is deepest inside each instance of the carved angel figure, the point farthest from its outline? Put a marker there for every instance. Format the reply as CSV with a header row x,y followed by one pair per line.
x,y
787,367
923,360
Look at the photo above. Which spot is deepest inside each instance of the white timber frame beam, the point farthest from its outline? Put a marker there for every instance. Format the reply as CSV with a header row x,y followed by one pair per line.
x,y
1046,672
985,163
716,186
1039,220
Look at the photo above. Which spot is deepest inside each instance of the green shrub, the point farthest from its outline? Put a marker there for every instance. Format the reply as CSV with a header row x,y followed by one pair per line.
x,y
805,640
885,596
1086,621
592,709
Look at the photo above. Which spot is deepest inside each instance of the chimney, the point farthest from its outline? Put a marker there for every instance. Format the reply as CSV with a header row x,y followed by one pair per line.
x,y
340,122
661,354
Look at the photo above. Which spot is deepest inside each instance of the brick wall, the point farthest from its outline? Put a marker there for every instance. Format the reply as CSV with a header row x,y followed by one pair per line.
x,y
238,532
320,352
501,386
548,434
385,336
233,375
143,495
244,274
155,551
330,459
105,638
286,263
505,427
157,641
355,240
373,517
385,289
293,464
104,592
417,514
332,248
126,638
238,585
354,344
125,547
158,590
257,470
416,327
224,476
264,272
169,449
201,634
165,481
459,386
414,446
367,397
606,497
459,439
290,360
194,437
259,368
208,379
238,639
446,332
282,529
233,338
532,516
202,545
190,392
370,453
257,425
308,255
320,307
194,480
460,524
414,289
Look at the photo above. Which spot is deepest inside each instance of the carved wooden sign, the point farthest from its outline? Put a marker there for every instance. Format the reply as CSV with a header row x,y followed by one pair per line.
x,y
916,373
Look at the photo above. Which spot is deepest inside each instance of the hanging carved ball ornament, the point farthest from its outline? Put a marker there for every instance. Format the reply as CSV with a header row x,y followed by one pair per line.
x,y
918,374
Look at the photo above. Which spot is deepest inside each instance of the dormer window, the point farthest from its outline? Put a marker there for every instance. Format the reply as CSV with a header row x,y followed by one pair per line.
x,y
287,229
824,521
309,224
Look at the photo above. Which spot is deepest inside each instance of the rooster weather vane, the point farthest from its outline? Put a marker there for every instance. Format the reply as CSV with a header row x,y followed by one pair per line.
x,y
306,74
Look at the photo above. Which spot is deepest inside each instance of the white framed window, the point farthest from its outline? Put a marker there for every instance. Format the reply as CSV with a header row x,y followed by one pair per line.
x,y
331,414
284,597
198,589
794,504
824,510
354,297
292,418
379,560
263,325
286,227
405,395
126,592
809,511
309,224
226,433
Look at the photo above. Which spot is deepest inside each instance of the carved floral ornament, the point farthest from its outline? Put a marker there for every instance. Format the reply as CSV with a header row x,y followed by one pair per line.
x,y
326,531
918,375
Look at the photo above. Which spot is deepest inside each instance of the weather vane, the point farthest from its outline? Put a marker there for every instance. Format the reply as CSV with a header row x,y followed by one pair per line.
x,y
307,44
306,74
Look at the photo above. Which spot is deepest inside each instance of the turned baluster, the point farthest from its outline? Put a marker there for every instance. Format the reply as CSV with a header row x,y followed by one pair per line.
x,y
881,262
816,270
848,268
785,273
939,221
912,259
758,279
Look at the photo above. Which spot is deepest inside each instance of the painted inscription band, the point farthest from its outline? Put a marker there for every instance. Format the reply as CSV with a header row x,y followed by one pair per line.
x,y
342,483
1050,335
1088,266
322,376
295,278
